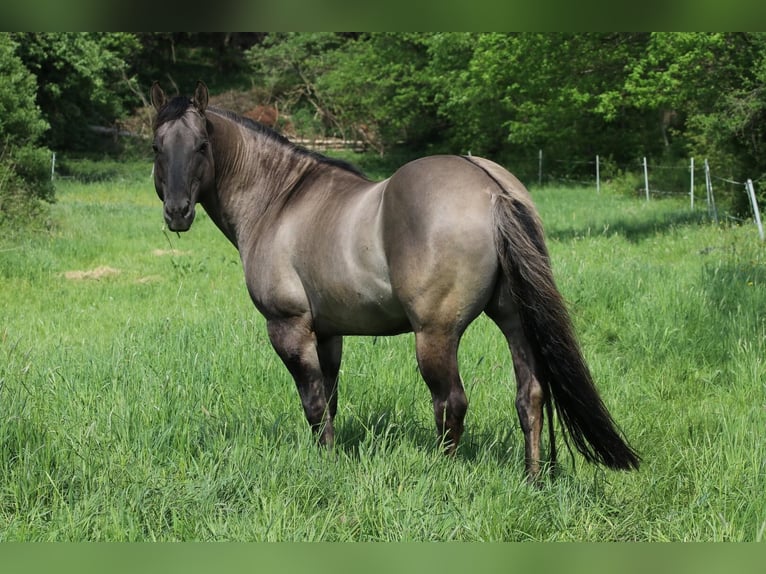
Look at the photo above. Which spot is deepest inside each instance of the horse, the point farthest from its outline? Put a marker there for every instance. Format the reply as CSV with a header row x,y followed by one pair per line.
x,y
327,252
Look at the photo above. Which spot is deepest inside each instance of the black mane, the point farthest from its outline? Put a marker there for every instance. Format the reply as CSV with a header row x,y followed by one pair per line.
x,y
282,140
177,106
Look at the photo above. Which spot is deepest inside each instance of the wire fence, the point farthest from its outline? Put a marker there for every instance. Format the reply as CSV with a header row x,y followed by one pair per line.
x,y
695,181
594,169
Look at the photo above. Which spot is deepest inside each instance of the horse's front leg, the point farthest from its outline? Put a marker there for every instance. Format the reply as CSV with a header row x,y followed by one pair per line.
x,y
330,350
297,345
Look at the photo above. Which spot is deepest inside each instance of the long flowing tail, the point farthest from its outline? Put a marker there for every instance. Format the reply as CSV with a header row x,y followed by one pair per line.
x,y
560,365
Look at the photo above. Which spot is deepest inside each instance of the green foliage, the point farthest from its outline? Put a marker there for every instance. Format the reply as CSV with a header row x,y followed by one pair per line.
x,y
666,96
493,94
82,81
385,80
712,88
24,166
20,208
33,167
20,121
179,59
369,86
506,95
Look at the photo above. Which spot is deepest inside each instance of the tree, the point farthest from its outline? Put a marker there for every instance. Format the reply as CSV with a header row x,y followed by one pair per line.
x,y
715,86
289,65
382,83
82,81
179,59
506,95
24,164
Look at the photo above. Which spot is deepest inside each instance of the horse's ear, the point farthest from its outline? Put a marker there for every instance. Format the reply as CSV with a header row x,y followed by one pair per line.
x,y
158,96
200,96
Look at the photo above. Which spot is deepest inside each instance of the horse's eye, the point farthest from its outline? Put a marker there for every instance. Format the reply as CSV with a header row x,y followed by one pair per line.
x,y
202,147
155,148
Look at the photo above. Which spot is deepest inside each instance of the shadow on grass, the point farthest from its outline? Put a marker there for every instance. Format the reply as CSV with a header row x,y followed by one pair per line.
x,y
382,432
734,281
734,289
632,229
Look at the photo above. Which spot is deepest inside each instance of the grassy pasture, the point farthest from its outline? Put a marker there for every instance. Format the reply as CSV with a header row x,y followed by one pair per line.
x,y
140,399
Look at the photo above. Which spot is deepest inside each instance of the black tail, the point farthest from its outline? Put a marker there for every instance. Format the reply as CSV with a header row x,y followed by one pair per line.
x,y
559,362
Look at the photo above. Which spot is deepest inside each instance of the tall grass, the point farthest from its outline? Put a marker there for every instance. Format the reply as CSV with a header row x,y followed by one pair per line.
x,y
142,401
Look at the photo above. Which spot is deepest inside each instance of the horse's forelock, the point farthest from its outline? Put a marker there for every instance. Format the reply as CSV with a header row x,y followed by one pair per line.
x,y
172,110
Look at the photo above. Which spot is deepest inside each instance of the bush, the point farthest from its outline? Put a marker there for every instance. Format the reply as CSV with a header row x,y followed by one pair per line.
x,y
24,166
19,205
33,166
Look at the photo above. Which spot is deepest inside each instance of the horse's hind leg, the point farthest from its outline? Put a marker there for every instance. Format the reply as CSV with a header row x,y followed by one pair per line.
x,y
437,360
530,395
530,398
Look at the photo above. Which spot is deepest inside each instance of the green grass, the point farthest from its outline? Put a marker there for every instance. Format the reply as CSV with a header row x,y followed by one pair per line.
x,y
148,405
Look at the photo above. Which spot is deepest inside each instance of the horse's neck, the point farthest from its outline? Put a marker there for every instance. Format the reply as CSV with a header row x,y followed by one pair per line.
x,y
254,175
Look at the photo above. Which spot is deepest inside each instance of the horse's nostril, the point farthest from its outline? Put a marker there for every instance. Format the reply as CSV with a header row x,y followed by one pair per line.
x,y
176,209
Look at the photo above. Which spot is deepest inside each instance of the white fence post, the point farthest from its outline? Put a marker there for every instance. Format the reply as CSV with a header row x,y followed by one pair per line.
x,y
646,179
754,204
598,177
710,199
691,186
540,167
53,165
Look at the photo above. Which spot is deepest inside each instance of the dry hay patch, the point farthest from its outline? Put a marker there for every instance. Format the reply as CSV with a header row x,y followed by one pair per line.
x,y
148,279
173,252
92,274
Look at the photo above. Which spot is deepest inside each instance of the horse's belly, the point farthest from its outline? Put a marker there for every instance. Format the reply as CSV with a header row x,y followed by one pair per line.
x,y
359,314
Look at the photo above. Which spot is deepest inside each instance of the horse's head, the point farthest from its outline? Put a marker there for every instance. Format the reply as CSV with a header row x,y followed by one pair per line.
x,y
183,160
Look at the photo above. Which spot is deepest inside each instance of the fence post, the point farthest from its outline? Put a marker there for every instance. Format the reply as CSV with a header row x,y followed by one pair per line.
x,y
598,177
53,165
691,187
646,179
710,199
756,213
540,168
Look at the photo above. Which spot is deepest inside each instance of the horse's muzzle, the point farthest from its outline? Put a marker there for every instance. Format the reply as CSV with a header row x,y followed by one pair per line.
x,y
179,218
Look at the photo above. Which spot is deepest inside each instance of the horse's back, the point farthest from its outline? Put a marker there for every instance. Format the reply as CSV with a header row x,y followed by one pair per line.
x,y
439,193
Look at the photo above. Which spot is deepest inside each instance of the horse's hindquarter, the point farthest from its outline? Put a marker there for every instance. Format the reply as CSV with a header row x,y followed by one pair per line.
x,y
439,240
